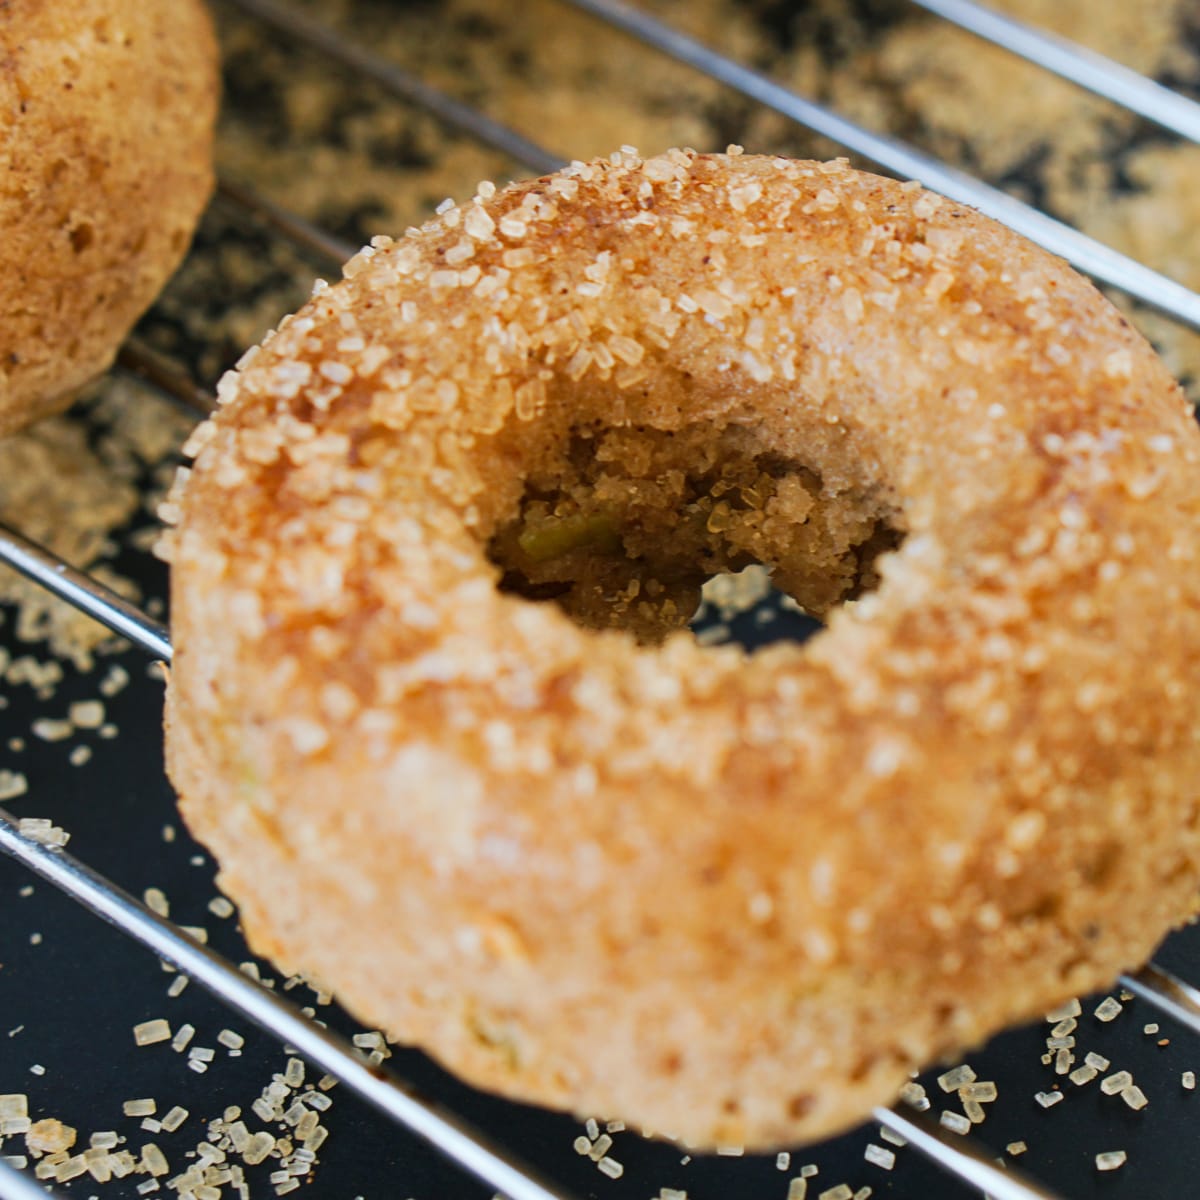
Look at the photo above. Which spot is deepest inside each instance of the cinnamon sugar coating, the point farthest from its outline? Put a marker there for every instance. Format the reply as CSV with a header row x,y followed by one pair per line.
x,y
429,710
106,121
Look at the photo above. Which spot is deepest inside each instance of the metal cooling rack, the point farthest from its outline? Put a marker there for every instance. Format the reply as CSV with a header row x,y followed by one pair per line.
x,y
960,1157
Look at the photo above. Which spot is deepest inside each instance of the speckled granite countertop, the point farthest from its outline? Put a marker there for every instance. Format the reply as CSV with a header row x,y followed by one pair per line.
x,y
341,152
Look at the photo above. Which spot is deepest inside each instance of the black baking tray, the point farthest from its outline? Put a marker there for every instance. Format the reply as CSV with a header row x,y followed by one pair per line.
x,y
71,988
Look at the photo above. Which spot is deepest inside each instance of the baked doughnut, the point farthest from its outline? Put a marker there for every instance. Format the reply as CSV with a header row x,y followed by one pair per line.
x,y
730,899
106,120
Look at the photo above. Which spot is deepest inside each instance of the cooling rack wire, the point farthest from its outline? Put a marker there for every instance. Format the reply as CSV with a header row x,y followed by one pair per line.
x,y
496,1165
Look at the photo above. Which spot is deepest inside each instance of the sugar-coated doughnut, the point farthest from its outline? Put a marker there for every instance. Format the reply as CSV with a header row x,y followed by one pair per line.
x,y
106,119
728,898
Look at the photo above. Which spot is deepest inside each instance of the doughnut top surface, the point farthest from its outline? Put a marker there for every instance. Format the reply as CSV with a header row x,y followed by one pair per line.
x,y
429,710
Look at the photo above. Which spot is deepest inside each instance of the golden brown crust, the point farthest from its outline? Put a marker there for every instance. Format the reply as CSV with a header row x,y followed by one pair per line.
x,y
106,120
734,901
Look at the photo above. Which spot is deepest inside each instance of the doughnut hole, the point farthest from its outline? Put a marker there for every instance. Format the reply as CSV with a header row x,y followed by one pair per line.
x,y
623,527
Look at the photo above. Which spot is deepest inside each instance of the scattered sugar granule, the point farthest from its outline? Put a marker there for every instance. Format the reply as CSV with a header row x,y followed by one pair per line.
x,y
797,1189
1016,1148
1188,1079
231,1040
841,1192
610,1167
731,1151
153,1160
1110,1160
914,1095
878,1156
955,1122
261,1144
1082,1075
177,985
49,1136
956,1078
1108,1009
984,1092
86,714
1048,1099
139,1108
114,681
1118,1082
1134,1097
1150,1030
14,1104
50,729
43,831
12,784
783,1160
220,906
185,1033
598,1149
1097,1060
174,1118
150,1032
156,901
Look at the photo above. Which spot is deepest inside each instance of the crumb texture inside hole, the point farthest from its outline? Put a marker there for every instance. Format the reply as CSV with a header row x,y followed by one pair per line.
x,y
623,527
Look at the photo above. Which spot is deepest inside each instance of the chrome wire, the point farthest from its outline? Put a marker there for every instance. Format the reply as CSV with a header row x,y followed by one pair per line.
x,y
1094,258
1168,993
1082,66
454,1138
139,359
454,113
301,231
16,1185
969,1162
85,593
